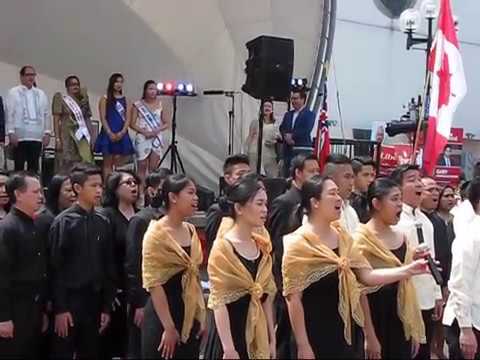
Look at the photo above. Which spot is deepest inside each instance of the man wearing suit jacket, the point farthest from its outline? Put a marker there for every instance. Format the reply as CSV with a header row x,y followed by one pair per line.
x,y
444,159
296,129
284,217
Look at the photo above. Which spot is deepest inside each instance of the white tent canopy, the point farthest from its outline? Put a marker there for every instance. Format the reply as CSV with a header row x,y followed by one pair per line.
x,y
200,41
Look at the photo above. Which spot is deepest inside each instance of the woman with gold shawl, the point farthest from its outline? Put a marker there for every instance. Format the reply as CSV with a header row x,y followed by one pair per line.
x,y
320,271
394,326
242,288
174,316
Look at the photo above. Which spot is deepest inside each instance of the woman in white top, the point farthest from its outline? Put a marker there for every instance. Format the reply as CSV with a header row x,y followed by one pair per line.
x,y
270,136
462,313
149,121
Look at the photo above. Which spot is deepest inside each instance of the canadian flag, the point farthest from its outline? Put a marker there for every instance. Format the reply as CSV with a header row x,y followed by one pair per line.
x,y
448,86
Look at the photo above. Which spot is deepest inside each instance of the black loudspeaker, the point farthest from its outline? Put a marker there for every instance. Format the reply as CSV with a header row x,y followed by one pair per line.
x,y
269,68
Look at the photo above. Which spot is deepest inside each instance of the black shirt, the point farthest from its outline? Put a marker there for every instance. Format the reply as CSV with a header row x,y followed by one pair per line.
x,y
215,215
284,217
359,202
43,222
119,226
443,236
23,262
81,256
137,296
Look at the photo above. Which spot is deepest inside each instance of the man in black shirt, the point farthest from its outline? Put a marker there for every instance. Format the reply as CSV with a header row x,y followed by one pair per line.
x,y
23,271
285,217
137,296
443,245
234,168
82,269
364,171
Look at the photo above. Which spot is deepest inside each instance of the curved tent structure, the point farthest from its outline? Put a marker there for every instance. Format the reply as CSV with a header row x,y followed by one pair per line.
x,y
199,41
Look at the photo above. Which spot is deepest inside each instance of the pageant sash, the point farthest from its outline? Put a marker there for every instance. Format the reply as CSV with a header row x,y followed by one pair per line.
x,y
151,120
82,131
120,109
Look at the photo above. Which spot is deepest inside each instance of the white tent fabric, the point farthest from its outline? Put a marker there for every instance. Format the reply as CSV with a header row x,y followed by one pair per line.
x,y
200,41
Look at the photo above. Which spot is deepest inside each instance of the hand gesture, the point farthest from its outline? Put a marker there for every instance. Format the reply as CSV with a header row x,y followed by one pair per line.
x,y
468,343
170,339
373,349
6,329
104,321
63,322
230,354
138,317
305,352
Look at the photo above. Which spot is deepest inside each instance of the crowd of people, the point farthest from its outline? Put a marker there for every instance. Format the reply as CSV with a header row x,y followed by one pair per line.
x,y
127,128
338,266
85,273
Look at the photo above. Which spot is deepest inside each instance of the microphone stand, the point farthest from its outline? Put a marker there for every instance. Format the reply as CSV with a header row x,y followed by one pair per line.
x,y
231,122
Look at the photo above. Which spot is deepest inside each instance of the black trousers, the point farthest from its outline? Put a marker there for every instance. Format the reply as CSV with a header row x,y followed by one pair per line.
x,y
286,346
452,334
114,339
27,322
424,351
27,152
134,337
83,338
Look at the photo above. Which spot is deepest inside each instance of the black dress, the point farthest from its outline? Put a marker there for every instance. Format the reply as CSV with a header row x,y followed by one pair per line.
x,y
325,327
387,324
115,337
152,328
237,314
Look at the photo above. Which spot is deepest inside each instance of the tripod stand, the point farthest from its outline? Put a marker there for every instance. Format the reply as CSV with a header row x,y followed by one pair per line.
x,y
175,158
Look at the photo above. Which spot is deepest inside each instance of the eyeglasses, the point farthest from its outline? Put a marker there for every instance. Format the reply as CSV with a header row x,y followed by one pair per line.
x,y
30,74
74,84
129,182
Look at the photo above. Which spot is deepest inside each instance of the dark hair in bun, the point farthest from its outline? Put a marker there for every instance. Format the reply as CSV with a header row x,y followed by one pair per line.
x,y
380,189
174,184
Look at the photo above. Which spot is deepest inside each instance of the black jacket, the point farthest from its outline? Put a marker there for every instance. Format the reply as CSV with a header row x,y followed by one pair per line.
x,y
360,203
284,217
215,215
23,262
81,256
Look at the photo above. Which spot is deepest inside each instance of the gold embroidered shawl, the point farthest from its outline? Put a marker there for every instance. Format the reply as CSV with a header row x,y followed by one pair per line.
x,y
407,305
163,257
230,280
306,260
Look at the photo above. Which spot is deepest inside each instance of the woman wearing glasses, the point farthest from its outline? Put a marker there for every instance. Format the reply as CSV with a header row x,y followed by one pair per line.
x,y
121,195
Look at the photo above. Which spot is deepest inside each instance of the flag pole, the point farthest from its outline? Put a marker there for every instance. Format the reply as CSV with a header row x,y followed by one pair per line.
x,y
423,116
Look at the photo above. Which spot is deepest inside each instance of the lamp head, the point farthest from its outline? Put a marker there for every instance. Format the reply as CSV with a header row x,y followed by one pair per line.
x,y
410,20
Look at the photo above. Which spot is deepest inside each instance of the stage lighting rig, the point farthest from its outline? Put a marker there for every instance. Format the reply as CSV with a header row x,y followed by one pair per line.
x,y
300,84
176,88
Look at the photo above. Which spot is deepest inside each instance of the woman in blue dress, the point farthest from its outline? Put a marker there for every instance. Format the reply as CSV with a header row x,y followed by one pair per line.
x,y
113,141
